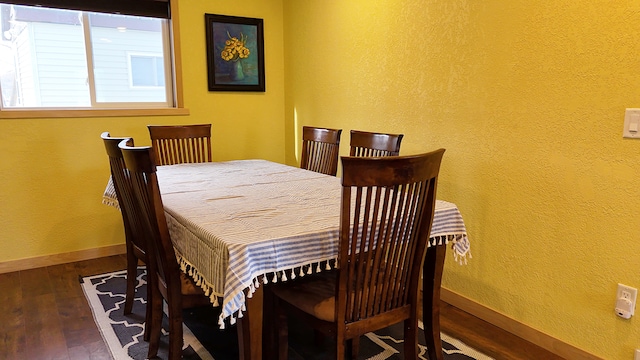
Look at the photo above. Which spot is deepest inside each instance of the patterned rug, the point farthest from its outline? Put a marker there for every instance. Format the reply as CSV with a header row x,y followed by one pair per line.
x,y
204,340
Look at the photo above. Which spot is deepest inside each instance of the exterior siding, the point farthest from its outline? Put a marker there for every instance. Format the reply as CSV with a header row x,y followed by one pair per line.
x,y
62,66
26,81
111,63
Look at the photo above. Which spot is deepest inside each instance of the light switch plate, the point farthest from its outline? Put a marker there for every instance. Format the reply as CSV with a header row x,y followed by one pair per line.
x,y
631,122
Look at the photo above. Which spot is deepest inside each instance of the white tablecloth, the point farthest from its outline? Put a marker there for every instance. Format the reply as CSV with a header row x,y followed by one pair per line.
x,y
237,224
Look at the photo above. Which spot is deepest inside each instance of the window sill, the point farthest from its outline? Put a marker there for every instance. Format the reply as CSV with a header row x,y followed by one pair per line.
x,y
84,113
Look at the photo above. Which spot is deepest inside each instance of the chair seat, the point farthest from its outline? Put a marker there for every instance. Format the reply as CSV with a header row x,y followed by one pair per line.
x,y
315,296
188,286
192,294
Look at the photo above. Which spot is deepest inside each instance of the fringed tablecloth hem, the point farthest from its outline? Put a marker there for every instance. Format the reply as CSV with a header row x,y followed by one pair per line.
x,y
294,271
273,276
189,269
110,202
461,248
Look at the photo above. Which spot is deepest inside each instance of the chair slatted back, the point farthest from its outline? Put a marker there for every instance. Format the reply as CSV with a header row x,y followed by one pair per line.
x,y
181,143
369,144
386,216
142,168
166,279
121,179
320,149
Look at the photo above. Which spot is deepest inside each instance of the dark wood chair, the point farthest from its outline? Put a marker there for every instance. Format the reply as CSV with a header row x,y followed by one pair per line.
x,y
386,216
369,144
177,144
167,281
134,238
320,149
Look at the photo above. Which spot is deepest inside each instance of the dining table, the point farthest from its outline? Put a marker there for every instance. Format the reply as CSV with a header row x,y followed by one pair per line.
x,y
240,225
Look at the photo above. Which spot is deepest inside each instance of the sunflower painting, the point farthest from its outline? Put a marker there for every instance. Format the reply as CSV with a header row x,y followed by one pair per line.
x,y
235,53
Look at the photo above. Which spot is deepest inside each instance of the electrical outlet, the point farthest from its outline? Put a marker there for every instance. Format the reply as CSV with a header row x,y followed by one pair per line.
x,y
627,293
637,356
626,301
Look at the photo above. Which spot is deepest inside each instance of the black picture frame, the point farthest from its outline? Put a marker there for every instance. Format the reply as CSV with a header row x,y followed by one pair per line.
x,y
235,53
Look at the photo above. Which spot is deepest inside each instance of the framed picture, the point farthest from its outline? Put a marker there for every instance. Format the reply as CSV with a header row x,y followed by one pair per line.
x,y
235,53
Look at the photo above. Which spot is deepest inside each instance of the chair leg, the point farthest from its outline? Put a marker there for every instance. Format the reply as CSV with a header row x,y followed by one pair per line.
x,y
156,321
431,284
411,339
132,263
176,339
340,349
354,345
148,313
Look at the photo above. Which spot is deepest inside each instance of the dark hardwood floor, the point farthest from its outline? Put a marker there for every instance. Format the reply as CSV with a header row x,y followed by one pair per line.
x,y
46,316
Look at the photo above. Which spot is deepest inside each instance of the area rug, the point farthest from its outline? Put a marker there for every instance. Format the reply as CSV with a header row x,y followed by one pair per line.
x,y
203,339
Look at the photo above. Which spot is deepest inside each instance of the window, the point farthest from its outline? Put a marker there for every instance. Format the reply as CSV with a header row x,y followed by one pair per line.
x,y
71,58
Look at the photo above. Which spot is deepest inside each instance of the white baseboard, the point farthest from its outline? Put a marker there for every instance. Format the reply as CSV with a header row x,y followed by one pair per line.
x,y
55,259
517,328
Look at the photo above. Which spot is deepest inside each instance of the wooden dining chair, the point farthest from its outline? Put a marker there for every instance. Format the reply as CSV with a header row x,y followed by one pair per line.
x,y
177,144
168,282
386,215
320,149
133,228
370,144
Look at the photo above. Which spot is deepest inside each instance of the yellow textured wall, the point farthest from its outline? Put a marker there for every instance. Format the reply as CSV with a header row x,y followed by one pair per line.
x,y
53,171
528,98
